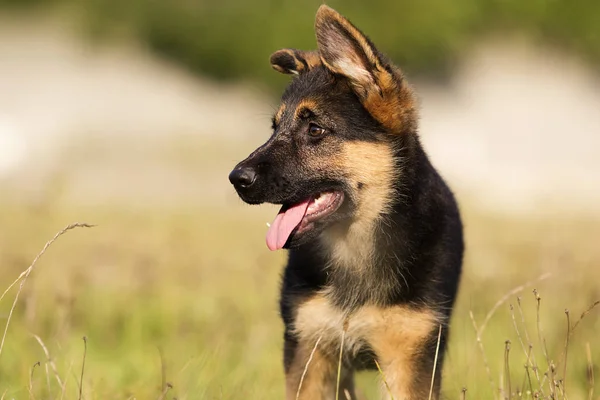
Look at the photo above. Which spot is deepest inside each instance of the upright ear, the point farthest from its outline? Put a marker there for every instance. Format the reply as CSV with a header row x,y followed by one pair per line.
x,y
346,51
292,61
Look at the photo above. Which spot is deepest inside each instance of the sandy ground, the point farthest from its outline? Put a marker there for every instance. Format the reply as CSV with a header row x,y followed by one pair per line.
x,y
517,130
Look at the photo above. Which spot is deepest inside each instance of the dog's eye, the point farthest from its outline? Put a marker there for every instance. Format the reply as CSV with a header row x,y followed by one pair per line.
x,y
315,130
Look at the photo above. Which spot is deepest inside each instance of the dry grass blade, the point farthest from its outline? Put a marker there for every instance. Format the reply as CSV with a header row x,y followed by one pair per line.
x,y
166,389
485,361
499,303
37,364
437,351
530,354
64,387
564,382
310,357
527,370
507,368
559,387
515,325
463,394
590,371
504,298
563,355
4,394
583,314
542,339
49,360
387,386
82,367
347,394
339,372
47,377
523,321
526,376
25,274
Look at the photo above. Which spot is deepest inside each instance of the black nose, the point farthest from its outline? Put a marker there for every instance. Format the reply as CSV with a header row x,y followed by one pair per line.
x,y
242,177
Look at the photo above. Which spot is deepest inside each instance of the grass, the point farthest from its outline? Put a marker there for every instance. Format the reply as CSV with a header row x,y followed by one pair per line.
x,y
182,303
234,39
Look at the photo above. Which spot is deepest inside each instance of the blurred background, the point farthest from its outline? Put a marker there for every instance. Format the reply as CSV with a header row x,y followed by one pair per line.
x,y
130,114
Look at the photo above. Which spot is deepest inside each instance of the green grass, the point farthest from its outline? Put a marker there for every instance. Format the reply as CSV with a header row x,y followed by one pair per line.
x,y
233,39
199,287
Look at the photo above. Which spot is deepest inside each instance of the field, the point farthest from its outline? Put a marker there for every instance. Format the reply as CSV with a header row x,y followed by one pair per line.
x,y
182,303
173,293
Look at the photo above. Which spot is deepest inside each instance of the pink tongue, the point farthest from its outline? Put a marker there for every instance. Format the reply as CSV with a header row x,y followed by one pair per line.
x,y
285,222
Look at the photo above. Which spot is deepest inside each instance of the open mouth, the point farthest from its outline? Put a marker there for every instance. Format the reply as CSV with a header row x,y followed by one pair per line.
x,y
300,217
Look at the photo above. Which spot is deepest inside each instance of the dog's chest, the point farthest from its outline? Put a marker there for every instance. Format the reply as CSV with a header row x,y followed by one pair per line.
x,y
318,320
368,329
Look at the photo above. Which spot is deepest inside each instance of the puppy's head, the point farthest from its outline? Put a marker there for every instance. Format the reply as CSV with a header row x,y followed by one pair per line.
x,y
331,157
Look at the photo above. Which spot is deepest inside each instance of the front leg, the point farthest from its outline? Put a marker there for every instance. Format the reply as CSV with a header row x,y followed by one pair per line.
x,y
320,379
405,341
408,375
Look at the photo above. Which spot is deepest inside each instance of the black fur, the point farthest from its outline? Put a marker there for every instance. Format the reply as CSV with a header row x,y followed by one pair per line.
x,y
418,240
420,243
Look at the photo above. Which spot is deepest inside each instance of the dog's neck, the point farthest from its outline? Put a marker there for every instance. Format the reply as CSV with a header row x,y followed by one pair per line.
x,y
369,256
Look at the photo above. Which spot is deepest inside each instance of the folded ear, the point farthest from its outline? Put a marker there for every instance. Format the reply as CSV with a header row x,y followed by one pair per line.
x,y
346,51
292,61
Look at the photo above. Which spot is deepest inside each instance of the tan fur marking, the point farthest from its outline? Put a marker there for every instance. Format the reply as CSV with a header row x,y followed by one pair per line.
x,y
309,104
312,58
396,335
319,381
318,318
398,340
371,164
279,113
393,106
292,53
303,61
321,373
279,69
299,64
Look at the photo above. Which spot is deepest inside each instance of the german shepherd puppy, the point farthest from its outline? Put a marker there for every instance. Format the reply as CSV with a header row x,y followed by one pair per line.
x,y
374,234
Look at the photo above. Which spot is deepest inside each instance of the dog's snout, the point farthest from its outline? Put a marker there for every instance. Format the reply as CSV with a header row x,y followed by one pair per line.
x,y
242,178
